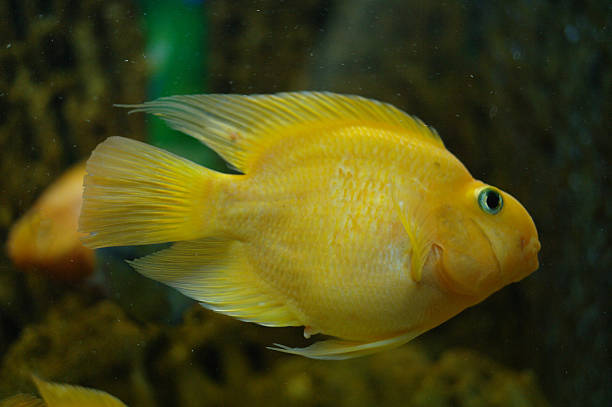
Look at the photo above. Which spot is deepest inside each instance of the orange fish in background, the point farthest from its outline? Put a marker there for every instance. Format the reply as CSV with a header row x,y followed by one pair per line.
x,y
350,218
62,395
46,238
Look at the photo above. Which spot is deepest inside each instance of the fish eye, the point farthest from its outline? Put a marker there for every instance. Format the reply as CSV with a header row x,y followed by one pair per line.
x,y
490,201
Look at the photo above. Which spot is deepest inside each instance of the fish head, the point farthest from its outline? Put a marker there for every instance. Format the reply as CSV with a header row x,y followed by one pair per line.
x,y
487,240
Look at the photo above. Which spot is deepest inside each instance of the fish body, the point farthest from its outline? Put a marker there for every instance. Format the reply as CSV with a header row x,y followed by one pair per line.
x,y
341,255
350,218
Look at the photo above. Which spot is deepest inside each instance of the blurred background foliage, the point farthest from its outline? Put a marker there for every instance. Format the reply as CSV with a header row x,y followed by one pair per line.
x,y
519,91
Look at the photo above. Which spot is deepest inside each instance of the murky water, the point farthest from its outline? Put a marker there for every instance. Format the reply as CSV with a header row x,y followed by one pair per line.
x,y
519,92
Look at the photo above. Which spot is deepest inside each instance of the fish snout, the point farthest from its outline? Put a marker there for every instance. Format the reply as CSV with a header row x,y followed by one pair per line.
x,y
530,247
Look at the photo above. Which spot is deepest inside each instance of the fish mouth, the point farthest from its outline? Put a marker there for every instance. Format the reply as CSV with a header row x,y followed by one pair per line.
x,y
479,280
530,249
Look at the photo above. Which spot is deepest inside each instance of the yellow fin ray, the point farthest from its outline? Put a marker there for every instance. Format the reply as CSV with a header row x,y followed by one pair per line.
x,y
239,127
216,273
65,395
139,194
336,349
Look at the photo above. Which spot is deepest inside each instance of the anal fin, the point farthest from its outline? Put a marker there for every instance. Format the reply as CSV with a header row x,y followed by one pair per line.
x,y
337,349
216,272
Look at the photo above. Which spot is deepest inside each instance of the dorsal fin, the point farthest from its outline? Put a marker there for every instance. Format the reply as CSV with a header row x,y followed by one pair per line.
x,y
238,127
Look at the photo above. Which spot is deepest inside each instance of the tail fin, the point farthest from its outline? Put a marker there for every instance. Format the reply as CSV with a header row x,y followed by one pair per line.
x,y
139,194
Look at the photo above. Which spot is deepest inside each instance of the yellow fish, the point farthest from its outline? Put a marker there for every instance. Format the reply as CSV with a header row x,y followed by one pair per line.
x,y
46,237
62,395
350,218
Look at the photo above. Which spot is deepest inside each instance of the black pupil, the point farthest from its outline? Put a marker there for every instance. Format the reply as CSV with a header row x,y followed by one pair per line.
x,y
492,199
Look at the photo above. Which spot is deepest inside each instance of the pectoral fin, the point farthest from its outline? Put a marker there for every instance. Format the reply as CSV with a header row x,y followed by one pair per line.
x,y
419,242
336,349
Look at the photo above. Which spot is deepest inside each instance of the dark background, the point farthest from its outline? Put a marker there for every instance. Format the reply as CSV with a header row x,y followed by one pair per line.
x,y
519,90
